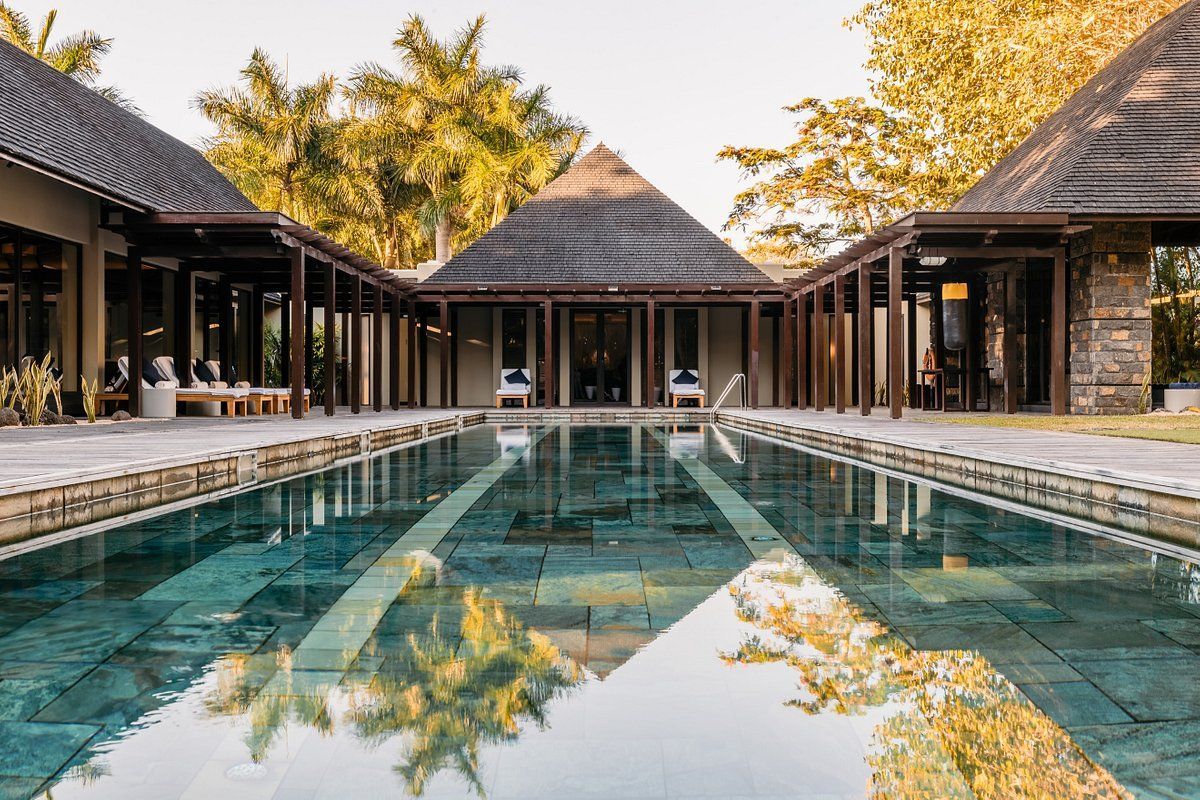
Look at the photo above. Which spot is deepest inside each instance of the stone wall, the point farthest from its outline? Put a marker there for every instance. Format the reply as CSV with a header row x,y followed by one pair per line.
x,y
1109,312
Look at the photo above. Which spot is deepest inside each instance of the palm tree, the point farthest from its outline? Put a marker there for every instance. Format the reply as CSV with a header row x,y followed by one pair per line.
x,y
77,55
276,141
469,134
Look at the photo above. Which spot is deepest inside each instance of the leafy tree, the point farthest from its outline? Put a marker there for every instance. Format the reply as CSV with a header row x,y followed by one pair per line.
x,y
275,140
841,178
1174,315
77,55
467,132
954,726
956,85
977,78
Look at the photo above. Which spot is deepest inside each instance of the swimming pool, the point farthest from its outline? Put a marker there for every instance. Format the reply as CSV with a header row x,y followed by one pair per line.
x,y
621,611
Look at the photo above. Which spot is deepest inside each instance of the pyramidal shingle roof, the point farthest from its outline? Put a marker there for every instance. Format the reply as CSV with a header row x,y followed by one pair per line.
x,y
1128,142
599,222
54,123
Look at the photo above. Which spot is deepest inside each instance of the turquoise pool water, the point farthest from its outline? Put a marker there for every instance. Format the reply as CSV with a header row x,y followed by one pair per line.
x,y
598,612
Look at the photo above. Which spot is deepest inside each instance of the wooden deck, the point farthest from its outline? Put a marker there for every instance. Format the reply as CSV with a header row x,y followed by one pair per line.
x,y
59,454
1166,464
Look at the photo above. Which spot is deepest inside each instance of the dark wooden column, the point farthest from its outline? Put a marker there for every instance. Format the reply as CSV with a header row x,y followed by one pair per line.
x,y
285,338
394,351
971,357
910,339
651,354
297,337
344,364
329,343
185,324
454,312
412,352
16,331
1008,342
423,354
755,321
895,360
257,376
1058,336
838,378
225,332
310,326
786,341
820,348
548,351
133,263
377,349
802,352
356,344
444,354
866,392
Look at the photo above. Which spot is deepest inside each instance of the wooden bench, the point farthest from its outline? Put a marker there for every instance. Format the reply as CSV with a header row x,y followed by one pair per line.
x,y
229,404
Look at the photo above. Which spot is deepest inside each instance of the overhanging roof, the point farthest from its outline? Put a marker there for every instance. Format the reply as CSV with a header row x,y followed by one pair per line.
x,y
599,223
950,235
1128,142
249,247
53,124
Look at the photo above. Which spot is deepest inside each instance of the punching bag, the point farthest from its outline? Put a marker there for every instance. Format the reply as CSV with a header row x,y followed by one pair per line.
x,y
954,315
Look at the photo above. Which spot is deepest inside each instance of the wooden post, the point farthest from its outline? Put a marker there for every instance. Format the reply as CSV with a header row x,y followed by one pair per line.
x,y
802,354
454,313
895,343
310,324
297,318
377,349
257,376
1058,336
786,342
755,314
412,352
356,344
329,354
838,379
910,347
225,332
444,353
651,355
970,376
548,351
1008,342
394,351
185,307
285,337
423,358
133,263
820,347
866,392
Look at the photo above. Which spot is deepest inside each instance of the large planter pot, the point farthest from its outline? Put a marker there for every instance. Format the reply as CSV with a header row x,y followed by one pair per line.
x,y
1179,396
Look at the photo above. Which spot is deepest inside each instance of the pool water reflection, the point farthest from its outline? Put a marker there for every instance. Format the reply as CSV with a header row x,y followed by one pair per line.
x,y
603,611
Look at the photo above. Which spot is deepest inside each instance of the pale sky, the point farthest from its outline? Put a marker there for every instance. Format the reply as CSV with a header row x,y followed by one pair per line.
x,y
664,82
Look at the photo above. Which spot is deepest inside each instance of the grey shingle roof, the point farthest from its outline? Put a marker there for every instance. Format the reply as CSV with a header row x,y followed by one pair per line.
x,y
1128,142
600,222
54,123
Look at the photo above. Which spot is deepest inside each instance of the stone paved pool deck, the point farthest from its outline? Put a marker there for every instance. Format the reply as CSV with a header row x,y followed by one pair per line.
x,y
63,477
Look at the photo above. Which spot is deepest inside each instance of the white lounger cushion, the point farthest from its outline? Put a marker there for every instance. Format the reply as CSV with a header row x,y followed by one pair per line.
x,y
685,389
514,388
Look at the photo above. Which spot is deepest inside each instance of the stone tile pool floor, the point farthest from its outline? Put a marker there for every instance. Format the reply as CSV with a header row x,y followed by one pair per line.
x,y
619,611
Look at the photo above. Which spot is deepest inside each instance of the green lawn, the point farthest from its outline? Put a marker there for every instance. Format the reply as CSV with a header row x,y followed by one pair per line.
x,y
1184,428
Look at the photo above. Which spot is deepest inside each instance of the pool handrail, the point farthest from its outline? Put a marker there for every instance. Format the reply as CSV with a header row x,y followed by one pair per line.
x,y
741,376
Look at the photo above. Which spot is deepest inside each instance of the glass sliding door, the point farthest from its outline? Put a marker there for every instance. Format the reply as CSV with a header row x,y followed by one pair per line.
x,y
600,356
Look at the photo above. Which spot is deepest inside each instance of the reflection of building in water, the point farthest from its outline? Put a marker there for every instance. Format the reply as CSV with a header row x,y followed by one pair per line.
x,y
955,727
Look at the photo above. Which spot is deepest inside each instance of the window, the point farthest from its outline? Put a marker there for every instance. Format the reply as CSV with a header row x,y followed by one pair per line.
x,y
512,338
39,306
687,338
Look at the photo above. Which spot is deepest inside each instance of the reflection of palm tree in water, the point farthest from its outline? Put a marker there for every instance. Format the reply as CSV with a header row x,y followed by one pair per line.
x,y
451,688
960,729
